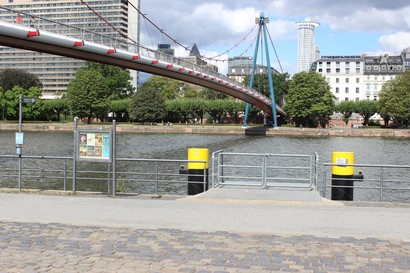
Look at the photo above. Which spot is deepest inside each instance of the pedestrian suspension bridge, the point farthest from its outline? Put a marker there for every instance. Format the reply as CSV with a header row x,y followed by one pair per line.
x,y
48,36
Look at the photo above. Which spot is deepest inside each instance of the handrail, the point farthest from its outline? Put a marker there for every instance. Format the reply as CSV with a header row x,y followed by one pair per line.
x,y
375,178
166,171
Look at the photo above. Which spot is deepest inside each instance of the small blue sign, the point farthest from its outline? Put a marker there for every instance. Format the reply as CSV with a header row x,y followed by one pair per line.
x,y
19,138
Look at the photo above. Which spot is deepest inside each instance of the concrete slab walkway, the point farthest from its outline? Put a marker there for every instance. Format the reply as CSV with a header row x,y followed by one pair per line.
x,y
46,233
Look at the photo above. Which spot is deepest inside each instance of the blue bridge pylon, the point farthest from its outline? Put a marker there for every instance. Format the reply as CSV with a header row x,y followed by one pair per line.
x,y
262,21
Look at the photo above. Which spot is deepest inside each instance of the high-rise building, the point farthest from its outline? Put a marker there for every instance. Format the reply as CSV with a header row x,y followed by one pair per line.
x,y
307,51
55,72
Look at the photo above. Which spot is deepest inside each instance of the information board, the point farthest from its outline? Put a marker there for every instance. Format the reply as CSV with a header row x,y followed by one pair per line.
x,y
94,145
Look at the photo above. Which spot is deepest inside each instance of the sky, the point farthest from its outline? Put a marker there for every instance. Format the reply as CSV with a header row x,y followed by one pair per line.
x,y
349,27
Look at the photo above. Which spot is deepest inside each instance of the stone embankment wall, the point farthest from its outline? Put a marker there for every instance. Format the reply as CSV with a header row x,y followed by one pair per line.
x,y
228,130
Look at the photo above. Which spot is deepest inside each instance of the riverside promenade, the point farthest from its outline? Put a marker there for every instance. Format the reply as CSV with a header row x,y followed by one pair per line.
x,y
96,233
217,129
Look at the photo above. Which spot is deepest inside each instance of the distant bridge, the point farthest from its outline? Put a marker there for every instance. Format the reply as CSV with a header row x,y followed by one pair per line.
x,y
122,54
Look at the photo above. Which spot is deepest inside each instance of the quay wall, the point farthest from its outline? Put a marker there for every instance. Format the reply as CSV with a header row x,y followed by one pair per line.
x,y
226,130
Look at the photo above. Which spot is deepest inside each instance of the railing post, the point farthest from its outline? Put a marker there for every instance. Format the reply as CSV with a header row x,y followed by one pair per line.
x,y
65,174
324,183
264,157
109,178
156,178
381,183
204,176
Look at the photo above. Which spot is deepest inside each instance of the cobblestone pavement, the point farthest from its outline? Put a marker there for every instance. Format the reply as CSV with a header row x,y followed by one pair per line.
x,y
33,247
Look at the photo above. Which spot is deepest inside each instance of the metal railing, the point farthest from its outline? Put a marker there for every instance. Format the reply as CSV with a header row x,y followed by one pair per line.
x,y
141,176
381,183
264,170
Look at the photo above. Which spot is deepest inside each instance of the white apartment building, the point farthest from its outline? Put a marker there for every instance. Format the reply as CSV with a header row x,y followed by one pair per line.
x,y
55,72
307,51
354,78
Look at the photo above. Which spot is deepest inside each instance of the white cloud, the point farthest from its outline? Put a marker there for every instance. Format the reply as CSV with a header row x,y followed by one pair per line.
x,y
395,42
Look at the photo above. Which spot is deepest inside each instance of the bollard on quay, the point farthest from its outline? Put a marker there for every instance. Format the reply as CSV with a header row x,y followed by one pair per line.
x,y
197,170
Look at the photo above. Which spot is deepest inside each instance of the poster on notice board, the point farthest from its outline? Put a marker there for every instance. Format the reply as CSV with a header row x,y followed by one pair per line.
x,y
94,145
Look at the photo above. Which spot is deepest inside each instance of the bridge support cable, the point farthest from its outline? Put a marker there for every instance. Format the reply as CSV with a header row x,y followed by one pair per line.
x,y
262,34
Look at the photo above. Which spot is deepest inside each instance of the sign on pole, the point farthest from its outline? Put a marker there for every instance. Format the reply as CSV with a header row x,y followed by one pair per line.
x,y
28,100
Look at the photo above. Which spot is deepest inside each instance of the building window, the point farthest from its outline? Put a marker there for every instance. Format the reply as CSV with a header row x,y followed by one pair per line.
x,y
357,99
337,64
320,64
357,80
346,99
233,70
337,90
347,90
358,64
347,63
357,90
347,70
320,70
327,80
347,80
358,70
337,80
327,70
327,64
337,70
375,98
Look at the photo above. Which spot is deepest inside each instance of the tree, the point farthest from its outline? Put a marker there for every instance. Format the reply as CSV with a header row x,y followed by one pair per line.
x,y
29,111
280,85
120,108
309,101
394,98
118,79
87,95
54,108
366,108
147,105
346,108
234,109
216,108
169,88
15,77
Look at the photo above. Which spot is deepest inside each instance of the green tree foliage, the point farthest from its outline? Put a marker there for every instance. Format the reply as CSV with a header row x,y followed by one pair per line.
x,y
87,95
118,79
216,109
120,109
280,85
147,105
394,98
210,94
53,109
15,77
234,108
346,108
29,111
309,101
169,88
366,108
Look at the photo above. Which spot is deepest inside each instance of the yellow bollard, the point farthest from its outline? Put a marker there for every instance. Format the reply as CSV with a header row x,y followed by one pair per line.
x,y
342,176
197,170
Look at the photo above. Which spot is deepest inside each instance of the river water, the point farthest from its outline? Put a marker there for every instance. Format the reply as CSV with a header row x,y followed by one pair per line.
x,y
174,146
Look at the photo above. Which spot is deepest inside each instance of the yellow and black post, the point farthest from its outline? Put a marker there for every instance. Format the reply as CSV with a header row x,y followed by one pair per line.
x,y
342,175
197,171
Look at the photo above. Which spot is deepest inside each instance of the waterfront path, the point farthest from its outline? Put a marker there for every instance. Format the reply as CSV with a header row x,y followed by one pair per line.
x,y
49,233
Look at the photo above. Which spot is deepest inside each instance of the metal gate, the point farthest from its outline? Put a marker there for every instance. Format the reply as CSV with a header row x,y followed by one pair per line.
x,y
264,170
